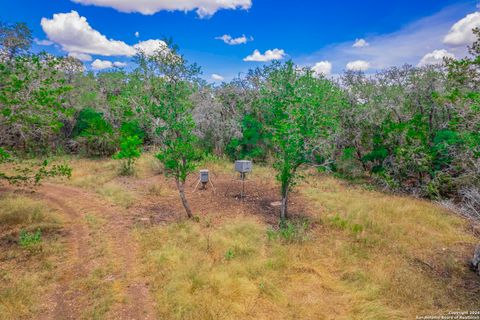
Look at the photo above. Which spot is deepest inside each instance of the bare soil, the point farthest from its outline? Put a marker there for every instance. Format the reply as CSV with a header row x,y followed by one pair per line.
x,y
222,200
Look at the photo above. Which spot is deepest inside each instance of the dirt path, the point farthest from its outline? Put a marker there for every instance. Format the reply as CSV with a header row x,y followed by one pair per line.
x,y
71,300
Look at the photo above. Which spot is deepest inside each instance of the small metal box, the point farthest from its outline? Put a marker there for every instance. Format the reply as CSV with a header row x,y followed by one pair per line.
x,y
204,176
243,166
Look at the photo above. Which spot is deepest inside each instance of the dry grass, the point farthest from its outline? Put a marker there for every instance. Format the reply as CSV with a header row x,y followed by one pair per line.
x,y
101,176
101,287
20,211
147,166
26,274
234,272
92,173
117,194
373,256
368,255
411,251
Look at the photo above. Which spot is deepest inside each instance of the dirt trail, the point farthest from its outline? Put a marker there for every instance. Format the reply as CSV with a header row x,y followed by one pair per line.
x,y
76,203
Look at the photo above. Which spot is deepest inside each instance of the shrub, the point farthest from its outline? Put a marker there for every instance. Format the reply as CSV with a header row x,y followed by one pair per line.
x,y
290,231
230,254
27,239
94,134
252,143
132,128
471,202
33,173
129,153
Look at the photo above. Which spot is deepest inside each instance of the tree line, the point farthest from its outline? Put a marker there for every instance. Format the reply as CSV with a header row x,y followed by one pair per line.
x,y
407,129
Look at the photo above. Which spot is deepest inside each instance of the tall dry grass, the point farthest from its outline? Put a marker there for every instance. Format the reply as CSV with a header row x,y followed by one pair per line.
x,y
373,256
27,274
21,211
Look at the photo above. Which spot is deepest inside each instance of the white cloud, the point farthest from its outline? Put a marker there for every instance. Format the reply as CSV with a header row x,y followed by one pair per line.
x,y
322,68
75,34
137,34
360,43
358,65
105,64
43,42
407,45
234,41
101,64
150,47
80,56
119,64
204,8
269,55
435,57
217,77
460,33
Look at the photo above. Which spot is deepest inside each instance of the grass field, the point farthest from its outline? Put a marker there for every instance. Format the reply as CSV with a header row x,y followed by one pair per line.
x,y
27,272
349,253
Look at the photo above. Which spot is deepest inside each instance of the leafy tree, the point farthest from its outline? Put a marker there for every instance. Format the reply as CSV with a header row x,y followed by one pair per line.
x,y
300,112
132,128
129,152
170,84
252,143
15,39
95,134
32,106
411,129
90,122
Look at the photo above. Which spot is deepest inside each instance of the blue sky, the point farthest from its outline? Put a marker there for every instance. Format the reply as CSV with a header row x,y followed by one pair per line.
x,y
311,32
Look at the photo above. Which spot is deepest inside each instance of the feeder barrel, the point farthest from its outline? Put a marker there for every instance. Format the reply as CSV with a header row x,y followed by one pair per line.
x,y
204,176
243,166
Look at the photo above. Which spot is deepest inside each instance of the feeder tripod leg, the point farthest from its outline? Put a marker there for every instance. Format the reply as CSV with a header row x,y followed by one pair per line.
x,y
196,186
213,187
191,185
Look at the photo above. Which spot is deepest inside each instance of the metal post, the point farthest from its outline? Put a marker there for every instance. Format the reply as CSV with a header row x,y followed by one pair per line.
x,y
242,175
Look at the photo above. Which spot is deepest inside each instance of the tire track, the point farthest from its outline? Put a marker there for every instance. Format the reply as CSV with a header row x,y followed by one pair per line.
x,y
75,203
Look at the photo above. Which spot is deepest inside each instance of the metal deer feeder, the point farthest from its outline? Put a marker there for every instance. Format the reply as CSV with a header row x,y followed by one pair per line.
x,y
204,176
204,179
243,167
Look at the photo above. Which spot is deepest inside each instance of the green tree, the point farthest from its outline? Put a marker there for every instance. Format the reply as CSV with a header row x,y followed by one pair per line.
x,y
95,134
129,152
32,92
170,82
300,117
251,145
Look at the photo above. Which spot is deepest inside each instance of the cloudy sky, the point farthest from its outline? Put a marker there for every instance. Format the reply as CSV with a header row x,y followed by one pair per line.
x,y
228,37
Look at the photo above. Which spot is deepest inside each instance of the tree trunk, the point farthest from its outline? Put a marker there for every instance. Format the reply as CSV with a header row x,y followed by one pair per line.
x,y
181,191
284,207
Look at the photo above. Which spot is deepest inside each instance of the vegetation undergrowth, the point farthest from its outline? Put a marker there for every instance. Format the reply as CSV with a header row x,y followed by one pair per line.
x,y
101,176
30,252
373,256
